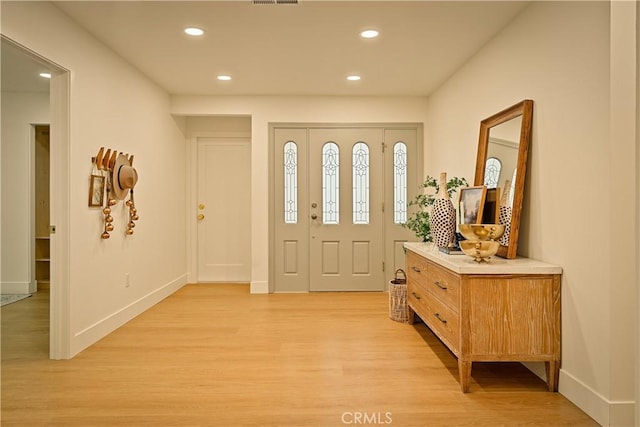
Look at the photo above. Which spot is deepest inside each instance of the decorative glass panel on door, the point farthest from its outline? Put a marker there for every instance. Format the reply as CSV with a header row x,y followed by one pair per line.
x,y
399,183
290,183
330,183
360,194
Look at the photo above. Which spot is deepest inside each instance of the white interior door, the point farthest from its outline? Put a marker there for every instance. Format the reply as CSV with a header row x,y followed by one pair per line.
x,y
346,210
224,191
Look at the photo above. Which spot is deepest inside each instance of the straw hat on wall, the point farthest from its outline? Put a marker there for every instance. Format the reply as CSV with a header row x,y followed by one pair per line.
x,y
125,177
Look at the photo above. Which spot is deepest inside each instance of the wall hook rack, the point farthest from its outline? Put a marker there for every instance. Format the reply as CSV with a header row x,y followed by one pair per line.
x,y
113,176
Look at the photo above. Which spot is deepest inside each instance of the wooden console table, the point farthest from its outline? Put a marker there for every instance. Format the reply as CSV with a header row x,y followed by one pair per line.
x,y
503,310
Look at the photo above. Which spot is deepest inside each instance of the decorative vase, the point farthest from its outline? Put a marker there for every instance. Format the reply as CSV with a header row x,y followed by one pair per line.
x,y
504,217
443,216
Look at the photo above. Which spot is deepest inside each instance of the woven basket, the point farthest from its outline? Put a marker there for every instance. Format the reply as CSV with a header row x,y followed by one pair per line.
x,y
398,298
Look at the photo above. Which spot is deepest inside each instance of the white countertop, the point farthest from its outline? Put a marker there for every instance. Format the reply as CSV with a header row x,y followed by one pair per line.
x,y
463,264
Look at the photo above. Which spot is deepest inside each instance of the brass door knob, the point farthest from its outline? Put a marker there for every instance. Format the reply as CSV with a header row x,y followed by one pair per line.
x,y
314,216
201,206
200,217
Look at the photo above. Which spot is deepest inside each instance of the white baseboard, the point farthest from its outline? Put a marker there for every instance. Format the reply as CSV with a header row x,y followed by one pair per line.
x,y
259,287
18,288
604,411
88,336
623,414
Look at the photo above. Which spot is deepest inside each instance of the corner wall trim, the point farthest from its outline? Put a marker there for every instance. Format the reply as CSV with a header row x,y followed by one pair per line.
x,y
259,287
601,409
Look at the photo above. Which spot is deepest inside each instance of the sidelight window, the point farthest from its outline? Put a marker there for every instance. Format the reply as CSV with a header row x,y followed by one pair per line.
x,y
290,183
399,183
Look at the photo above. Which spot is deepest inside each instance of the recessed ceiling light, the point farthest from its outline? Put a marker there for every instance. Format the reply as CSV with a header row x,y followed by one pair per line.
x,y
193,31
224,77
369,34
45,75
353,77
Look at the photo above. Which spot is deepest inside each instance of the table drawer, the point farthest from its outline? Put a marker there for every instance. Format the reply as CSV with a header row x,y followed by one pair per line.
x,y
444,285
417,296
443,321
440,318
416,268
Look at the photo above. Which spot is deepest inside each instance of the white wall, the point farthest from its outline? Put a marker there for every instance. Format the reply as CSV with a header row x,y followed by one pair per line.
x,y
581,189
20,110
114,106
266,109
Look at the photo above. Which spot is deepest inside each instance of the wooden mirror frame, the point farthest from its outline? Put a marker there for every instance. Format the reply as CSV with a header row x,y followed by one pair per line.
x,y
524,109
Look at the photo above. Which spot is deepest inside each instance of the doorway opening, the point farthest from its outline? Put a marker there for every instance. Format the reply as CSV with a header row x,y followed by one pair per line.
x,y
37,255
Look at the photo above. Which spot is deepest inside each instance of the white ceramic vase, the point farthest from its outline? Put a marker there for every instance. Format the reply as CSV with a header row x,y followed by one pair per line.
x,y
443,216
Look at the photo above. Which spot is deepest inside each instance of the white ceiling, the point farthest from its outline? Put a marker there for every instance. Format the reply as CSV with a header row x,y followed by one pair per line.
x,y
303,49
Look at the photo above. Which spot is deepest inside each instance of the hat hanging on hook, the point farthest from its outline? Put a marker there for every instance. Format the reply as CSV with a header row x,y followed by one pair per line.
x,y
125,177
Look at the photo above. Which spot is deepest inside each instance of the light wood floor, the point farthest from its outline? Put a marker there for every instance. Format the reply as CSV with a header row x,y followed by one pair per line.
x,y
214,355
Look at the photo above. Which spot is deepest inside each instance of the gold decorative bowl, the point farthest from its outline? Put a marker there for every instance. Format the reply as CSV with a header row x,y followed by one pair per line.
x,y
481,231
479,250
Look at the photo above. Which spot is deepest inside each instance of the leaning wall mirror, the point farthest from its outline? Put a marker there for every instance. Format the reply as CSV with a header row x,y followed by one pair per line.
x,y
501,166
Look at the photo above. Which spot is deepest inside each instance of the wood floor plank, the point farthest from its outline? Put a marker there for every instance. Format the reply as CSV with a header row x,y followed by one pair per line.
x,y
214,355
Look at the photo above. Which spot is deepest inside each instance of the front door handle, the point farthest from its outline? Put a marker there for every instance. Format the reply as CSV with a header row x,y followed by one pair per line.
x,y
314,216
200,217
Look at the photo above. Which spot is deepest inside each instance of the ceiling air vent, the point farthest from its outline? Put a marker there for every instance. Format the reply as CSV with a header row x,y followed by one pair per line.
x,y
274,1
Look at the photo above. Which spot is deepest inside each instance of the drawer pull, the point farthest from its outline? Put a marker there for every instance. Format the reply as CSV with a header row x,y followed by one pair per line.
x,y
440,318
416,295
440,285
416,269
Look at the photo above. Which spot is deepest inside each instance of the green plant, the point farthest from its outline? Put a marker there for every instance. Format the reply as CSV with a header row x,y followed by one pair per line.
x,y
419,221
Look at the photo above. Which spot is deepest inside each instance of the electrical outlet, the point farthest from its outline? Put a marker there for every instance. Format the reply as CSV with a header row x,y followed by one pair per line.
x,y
126,280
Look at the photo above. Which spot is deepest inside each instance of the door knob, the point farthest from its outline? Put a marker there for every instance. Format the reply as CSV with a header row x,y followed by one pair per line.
x,y
201,206
314,216
201,217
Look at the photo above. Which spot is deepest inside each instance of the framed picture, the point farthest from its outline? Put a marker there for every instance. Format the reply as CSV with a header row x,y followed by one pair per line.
x,y
96,191
471,204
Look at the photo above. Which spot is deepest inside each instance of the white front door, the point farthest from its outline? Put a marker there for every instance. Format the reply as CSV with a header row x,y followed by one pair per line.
x,y
224,221
345,210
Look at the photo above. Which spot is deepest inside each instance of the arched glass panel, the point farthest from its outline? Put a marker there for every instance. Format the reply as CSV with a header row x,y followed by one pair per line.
x,y
399,183
360,194
330,183
492,168
290,183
